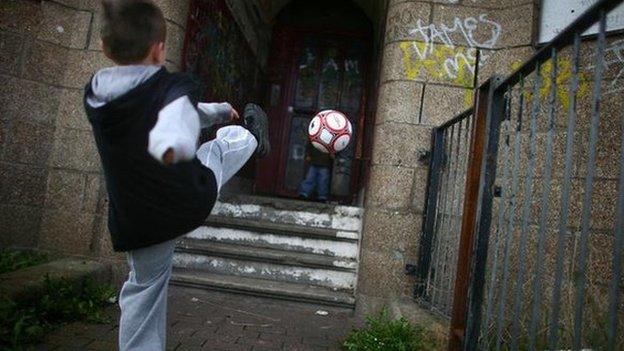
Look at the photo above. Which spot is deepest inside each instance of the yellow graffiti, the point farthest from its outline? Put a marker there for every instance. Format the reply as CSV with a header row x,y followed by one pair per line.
x,y
563,81
454,65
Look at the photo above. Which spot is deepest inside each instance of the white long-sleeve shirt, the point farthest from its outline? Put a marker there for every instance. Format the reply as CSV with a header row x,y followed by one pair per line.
x,y
179,123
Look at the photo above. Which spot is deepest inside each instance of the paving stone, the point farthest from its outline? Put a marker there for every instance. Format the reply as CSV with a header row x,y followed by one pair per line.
x,y
290,324
255,342
99,345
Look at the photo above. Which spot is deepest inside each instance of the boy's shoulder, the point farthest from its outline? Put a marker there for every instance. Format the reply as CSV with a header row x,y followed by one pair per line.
x,y
179,84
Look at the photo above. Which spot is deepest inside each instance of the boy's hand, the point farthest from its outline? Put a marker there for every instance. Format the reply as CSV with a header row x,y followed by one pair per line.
x,y
168,157
308,159
234,115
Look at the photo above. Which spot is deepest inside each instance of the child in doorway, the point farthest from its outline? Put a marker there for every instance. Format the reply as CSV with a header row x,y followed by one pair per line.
x,y
318,176
146,122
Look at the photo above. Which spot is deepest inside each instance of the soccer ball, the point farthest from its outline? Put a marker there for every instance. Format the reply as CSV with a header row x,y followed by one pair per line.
x,y
330,131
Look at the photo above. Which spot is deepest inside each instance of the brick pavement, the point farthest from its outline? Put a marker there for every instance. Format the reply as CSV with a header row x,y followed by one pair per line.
x,y
207,320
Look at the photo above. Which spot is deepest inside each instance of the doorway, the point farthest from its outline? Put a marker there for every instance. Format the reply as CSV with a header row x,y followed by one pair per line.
x,y
319,60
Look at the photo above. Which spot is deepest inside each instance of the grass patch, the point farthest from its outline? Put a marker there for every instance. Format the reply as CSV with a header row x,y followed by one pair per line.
x,y
382,333
12,260
26,321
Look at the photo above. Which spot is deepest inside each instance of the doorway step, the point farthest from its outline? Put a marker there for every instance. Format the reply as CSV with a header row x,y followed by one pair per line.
x,y
284,249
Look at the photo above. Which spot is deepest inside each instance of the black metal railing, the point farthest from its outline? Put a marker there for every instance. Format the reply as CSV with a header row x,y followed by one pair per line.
x,y
443,210
536,252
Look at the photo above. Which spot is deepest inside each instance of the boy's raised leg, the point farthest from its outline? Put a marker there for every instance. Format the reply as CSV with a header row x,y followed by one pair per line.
x,y
234,145
228,152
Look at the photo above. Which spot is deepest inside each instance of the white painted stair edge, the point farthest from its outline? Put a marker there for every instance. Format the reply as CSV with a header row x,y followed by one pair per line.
x,y
342,217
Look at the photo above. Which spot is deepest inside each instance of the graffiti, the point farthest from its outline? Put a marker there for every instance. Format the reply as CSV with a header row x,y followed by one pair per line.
x,y
440,62
434,50
466,28
563,80
217,52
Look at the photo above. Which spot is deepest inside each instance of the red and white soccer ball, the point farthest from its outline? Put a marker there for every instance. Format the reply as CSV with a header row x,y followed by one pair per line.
x,y
330,131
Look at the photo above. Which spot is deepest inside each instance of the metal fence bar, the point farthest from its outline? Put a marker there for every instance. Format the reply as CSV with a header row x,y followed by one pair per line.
x,y
526,209
512,213
453,161
469,220
565,196
547,175
589,184
495,114
433,191
457,211
618,247
501,213
441,227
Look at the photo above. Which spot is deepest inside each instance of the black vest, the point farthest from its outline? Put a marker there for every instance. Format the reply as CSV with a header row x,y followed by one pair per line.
x,y
149,203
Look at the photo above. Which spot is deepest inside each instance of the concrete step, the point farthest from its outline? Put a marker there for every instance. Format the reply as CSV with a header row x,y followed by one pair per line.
x,y
260,226
240,262
261,287
302,213
286,241
291,237
258,254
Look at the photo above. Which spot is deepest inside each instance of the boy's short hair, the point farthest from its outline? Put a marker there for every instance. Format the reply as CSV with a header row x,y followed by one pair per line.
x,y
129,28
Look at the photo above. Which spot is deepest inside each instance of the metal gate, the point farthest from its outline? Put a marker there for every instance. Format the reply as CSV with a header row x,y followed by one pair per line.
x,y
524,228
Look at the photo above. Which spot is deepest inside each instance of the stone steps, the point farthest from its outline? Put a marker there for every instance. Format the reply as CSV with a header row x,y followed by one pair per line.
x,y
302,213
263,288
308,249
278,236
257,254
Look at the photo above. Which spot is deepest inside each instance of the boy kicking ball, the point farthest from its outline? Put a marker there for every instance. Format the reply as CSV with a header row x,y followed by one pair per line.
x,y
146,122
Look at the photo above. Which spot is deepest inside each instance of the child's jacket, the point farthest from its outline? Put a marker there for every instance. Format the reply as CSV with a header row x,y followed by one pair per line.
x,y
149,202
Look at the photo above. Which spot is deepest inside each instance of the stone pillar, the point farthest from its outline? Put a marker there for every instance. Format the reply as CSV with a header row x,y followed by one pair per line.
x,y
427,77
52,194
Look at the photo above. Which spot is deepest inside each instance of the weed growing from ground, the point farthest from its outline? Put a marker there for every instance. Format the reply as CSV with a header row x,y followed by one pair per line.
x,y
26,321
382,333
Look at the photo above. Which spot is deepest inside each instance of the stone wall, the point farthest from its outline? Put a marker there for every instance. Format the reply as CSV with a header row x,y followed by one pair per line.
x,y
428,72
52,194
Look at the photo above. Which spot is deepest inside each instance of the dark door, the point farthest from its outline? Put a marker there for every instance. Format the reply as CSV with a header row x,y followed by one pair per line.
x,y
326,72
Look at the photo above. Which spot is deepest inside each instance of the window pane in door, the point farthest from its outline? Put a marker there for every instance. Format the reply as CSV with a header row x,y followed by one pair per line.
x,y
307,77
329,89
353,79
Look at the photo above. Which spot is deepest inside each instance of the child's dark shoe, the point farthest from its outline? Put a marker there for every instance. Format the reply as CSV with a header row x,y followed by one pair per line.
x,y
257,123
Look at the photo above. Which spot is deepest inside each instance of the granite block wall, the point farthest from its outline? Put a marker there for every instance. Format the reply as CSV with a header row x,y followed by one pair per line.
x,y
52,193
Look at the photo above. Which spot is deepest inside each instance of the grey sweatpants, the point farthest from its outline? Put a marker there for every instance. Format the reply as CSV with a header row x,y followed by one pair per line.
x,y
143,297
